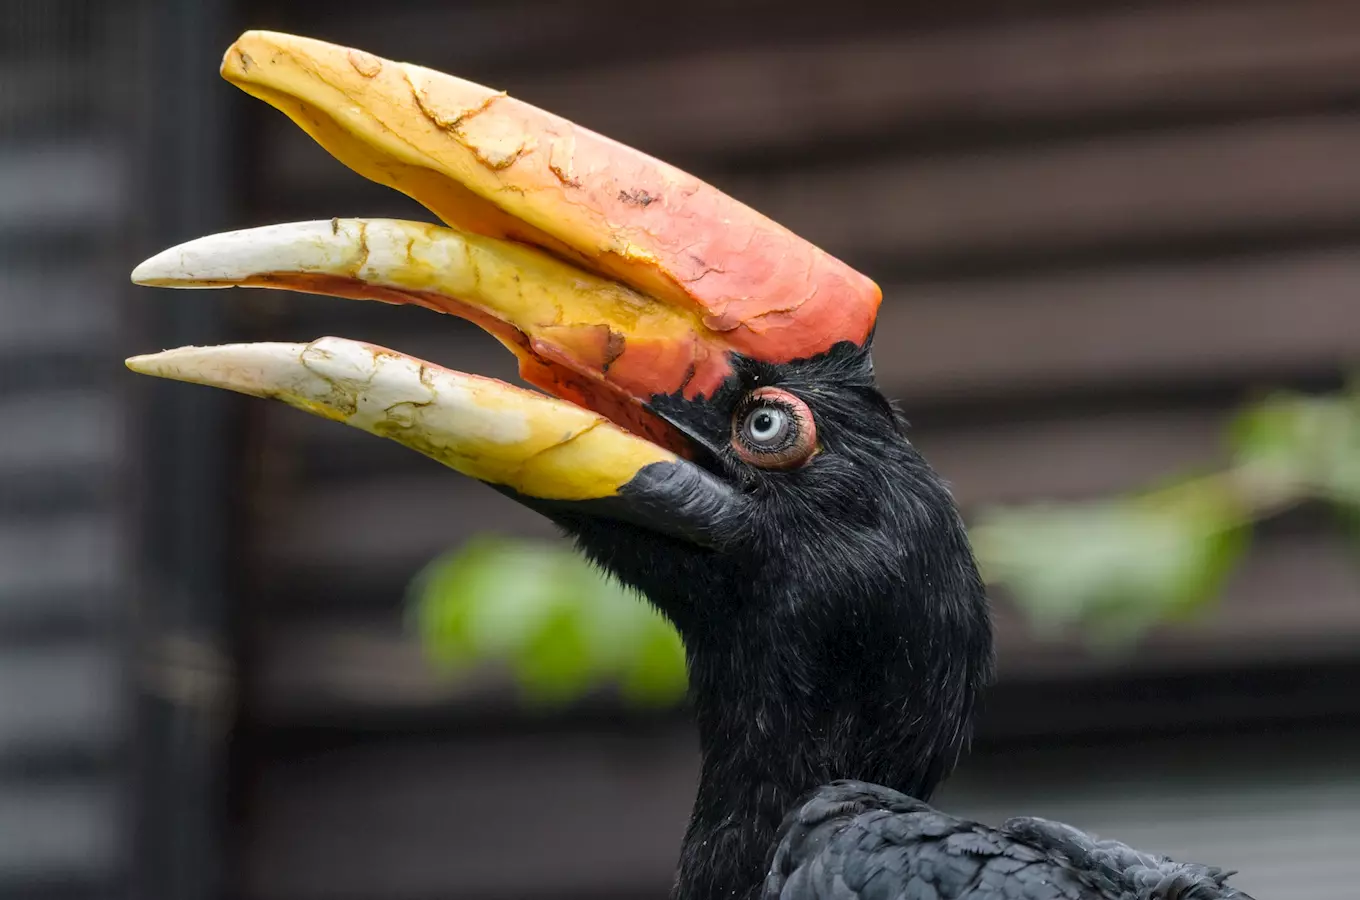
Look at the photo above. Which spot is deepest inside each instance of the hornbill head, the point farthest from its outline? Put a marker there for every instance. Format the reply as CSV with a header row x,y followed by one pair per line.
x,y
711,431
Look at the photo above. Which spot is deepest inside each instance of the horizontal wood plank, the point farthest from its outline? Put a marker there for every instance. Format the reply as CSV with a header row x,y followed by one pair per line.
x,y
68,186
533,34
54,305
75,555
375,524
1251,320
59,699
1107,62
68,830
461,825
1240,179
52,431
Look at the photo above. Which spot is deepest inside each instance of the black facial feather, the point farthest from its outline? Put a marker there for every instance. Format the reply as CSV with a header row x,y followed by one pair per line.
x,y
840,629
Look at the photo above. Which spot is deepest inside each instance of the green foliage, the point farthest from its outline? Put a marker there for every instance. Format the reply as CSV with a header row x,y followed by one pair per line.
x,y
562,626
1110,569
1304,447
1118,566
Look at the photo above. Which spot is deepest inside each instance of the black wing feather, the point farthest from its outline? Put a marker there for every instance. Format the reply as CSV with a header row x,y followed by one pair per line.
x,y
855,841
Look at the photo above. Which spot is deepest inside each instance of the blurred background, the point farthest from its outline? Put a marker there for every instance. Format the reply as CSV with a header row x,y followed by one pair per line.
x,y
1109,234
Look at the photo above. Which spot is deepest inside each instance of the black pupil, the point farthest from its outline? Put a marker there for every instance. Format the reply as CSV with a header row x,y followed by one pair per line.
x,y
767,427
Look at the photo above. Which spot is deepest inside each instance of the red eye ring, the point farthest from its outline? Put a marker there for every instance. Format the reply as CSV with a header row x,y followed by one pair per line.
x,y
773,429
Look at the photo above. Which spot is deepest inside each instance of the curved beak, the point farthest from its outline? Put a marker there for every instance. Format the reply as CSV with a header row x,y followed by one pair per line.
x,y
615,278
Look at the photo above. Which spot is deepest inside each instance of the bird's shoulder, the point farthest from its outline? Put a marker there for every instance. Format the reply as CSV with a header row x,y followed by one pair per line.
x,y
856,841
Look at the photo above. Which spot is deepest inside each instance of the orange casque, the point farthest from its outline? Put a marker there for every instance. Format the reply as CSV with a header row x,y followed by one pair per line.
x,y
486,163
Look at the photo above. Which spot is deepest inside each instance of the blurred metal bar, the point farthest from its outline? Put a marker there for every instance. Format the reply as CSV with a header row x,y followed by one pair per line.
x,y
184,631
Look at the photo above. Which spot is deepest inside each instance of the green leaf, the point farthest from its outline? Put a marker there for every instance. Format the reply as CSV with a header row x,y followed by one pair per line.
x,y
657,675
1116,567
561,626
486,600
1304,445
555,666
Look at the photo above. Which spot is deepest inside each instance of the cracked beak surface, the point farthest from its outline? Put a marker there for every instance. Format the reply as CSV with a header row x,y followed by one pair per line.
x,y
545,452
615,278
532,444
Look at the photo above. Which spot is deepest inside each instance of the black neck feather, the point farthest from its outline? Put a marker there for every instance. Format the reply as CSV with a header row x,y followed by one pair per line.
x,y
791,692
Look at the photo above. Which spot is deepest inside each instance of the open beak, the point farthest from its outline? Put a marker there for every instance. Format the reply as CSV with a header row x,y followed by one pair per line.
x,y
615,278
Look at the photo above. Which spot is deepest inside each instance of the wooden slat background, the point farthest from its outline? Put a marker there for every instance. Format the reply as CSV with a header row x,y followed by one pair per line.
x,y
1099,227
65,562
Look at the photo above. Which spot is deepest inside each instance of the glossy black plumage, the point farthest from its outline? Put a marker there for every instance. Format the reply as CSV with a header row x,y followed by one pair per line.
x,y
836,628
855,841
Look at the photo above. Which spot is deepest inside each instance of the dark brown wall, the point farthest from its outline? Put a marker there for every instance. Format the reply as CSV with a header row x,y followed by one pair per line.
x,y
1098,227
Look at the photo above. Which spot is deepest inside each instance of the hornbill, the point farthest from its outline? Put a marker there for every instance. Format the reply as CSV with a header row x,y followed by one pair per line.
x,y
711,434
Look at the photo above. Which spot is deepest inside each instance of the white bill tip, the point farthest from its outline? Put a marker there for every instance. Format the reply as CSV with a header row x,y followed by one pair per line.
x,y
330,247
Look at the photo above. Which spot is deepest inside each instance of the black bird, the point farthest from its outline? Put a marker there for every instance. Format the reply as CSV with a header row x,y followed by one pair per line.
x,y
740,468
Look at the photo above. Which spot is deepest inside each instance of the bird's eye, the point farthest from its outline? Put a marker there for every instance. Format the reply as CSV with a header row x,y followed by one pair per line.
x,y
773,429
766,426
